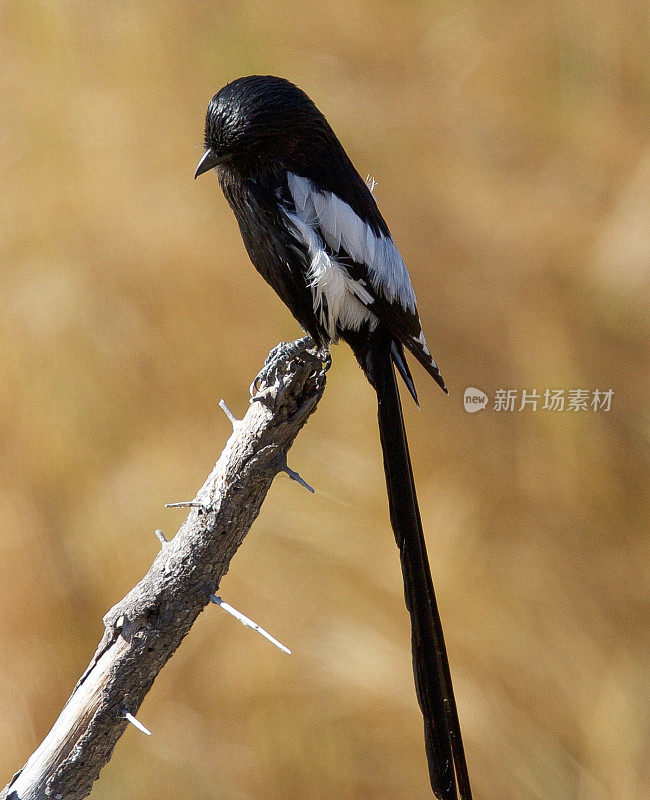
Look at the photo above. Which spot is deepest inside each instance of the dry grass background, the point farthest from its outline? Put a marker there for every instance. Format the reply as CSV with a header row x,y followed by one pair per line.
x,y
510,143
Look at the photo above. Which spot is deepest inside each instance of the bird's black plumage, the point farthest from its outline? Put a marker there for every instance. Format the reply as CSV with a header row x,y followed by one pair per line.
x,y
312,228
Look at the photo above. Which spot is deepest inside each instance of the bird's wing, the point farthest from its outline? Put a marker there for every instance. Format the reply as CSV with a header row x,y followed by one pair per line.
x,y
370,258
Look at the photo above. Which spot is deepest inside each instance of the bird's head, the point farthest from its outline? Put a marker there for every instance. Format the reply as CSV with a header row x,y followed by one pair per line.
x,y
261,122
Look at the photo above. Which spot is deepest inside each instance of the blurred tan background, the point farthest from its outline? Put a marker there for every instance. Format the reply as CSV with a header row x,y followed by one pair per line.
x,y
511,148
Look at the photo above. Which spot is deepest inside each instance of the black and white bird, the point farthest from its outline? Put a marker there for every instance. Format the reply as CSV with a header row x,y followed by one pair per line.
x,y
312,229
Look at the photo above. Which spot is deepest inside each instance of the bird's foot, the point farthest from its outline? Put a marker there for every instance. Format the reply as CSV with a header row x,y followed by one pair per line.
x,y
277,361
325,357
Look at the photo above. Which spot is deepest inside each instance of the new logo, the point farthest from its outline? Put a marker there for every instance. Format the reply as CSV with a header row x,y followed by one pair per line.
x,y
474,400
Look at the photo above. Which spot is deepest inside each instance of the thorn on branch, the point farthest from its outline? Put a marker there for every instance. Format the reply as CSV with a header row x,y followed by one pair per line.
x,y
189,504
248,623
295,476
128,716
233,419
161,537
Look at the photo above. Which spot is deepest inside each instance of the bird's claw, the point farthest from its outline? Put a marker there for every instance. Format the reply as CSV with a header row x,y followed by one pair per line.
x,y
325,357
268,375
277,361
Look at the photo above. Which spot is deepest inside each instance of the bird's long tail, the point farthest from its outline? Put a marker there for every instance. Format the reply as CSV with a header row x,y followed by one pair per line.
x,y
444,746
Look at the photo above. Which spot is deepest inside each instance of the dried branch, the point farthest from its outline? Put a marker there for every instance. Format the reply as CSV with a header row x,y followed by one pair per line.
x,y
145,627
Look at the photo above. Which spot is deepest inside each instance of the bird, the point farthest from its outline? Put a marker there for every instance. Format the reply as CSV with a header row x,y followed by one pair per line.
x,y
313,230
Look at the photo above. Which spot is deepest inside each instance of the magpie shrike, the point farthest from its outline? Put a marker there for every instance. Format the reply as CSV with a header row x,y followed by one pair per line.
x,y
312,229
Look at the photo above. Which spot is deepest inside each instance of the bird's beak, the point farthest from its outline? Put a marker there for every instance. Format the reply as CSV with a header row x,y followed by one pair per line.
x,y
208,161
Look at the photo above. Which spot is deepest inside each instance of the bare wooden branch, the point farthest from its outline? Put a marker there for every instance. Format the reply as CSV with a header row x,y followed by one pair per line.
x,y
144,629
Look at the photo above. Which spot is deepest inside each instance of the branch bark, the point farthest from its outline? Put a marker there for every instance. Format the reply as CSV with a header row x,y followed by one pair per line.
x,y
144,629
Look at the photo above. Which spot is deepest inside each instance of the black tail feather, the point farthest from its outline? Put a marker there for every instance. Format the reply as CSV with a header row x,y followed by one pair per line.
x,y
397,355
445,754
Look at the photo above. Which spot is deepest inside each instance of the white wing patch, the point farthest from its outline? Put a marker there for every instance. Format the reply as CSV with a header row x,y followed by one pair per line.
x,y
342,228
340,302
